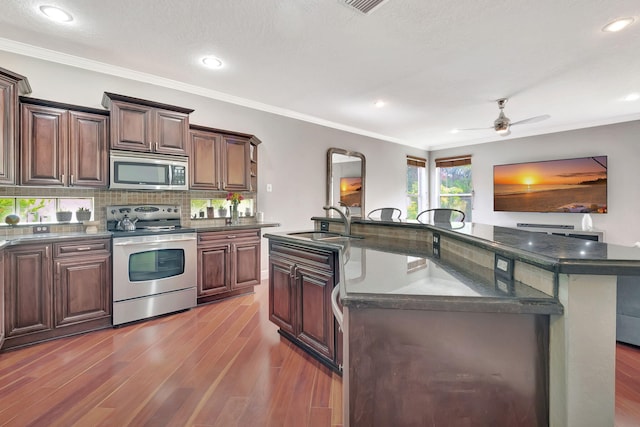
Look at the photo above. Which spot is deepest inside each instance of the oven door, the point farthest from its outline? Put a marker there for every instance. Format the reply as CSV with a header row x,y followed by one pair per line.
x,y
150,265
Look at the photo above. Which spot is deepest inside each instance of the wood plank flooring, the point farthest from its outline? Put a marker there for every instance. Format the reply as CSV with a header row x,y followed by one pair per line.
x,y
217,365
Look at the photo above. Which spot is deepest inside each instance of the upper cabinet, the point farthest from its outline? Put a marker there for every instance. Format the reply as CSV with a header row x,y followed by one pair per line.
x,y
223,160
147,126
11,86
63,145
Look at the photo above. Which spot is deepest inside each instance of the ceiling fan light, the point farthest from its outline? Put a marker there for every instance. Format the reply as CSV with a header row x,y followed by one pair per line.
x,y
503,130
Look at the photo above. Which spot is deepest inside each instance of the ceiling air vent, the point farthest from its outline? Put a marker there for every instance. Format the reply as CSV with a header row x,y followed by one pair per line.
x,y
364,6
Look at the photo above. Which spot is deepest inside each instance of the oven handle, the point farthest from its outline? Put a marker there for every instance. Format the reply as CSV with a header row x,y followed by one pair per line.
x,y
155,242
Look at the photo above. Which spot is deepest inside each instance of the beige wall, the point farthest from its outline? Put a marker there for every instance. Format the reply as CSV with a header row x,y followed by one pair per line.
x,y
291,157
619,142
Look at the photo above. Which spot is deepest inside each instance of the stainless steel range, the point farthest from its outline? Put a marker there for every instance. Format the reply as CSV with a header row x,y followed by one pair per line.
x,y
154,262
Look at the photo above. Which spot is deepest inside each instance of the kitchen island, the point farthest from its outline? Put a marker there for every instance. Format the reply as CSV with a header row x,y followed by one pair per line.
x,y
577,279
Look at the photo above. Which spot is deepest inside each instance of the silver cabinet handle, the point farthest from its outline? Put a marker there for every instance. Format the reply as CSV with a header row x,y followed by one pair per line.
x,y
231,237
62,179
334,305
83,248
71,180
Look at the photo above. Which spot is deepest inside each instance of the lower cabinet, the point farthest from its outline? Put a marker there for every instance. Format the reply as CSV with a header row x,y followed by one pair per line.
x,y
58,289
228,263
300,283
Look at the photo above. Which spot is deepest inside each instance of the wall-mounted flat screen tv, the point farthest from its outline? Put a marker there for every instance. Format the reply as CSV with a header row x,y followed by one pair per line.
x,y
570,185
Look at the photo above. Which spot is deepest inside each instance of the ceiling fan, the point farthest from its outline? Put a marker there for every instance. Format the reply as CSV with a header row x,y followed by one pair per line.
x,y
502,125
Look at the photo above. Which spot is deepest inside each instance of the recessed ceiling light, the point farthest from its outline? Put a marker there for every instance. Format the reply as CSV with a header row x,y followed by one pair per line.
x,y
632,97
212,62
56,14
379,103
618,24
455,130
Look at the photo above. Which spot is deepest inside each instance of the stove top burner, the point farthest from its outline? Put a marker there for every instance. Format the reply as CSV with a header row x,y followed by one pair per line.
x,y
149,219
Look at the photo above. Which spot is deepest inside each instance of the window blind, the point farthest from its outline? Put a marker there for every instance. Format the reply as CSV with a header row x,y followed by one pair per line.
x,y
447,162
416,161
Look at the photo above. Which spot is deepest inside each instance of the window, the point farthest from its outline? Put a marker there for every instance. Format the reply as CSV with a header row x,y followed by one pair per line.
x,y
40,209
416,186
219,208
455,188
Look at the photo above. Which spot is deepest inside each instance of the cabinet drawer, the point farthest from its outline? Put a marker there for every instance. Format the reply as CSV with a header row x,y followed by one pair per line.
x,y
217,237
81,247
318,258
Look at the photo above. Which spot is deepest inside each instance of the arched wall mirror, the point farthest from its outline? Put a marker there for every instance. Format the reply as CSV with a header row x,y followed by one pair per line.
x,y
346,180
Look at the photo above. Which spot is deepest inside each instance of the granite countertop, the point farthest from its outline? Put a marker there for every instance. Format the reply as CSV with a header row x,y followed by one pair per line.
x,y
21,239
557,253
223,227
373,277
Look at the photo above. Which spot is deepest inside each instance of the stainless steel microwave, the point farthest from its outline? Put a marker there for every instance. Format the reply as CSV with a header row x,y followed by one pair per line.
x,y
147,171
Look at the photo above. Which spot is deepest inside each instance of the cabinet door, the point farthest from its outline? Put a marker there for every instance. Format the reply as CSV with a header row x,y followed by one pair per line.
x,y
2,310
82,289
204,160
43,145
235,163
8,131
171,132
246,264
316,328
28,290
131,126
88,161
213,269
282,293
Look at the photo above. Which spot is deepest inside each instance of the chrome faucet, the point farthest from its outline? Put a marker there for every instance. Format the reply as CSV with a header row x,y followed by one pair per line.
x,y
346,219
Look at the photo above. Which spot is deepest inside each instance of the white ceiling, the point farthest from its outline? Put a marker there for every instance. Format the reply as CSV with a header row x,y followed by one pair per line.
x,y
438,64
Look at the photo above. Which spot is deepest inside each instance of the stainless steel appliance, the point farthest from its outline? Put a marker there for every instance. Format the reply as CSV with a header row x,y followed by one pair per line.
x,y
154,263
144,171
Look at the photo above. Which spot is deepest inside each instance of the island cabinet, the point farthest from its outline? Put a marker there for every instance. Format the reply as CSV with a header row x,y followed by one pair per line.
x,y
222,160
63,145
1,298
11,86
228,263
300,283
58,289
147,126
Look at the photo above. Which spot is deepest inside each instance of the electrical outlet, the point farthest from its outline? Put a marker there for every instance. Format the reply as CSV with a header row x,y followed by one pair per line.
x,y
269,188
39,229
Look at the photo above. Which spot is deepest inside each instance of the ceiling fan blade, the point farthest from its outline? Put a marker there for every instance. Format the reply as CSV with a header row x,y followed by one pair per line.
x,y
535,119
491,127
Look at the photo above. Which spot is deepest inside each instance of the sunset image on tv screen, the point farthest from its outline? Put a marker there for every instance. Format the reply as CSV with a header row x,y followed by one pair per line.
x,y
572,185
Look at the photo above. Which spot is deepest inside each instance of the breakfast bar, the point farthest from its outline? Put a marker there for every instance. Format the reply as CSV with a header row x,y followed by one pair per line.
x,y
473,322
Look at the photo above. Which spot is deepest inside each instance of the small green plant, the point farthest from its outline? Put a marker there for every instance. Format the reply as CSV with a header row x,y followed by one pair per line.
x,y
84,210
217,203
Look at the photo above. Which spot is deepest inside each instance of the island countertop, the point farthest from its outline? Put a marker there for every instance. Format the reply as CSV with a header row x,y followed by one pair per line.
x,y
373,277
555,253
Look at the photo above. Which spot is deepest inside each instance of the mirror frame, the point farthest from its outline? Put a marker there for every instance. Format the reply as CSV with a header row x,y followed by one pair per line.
x,y
363,168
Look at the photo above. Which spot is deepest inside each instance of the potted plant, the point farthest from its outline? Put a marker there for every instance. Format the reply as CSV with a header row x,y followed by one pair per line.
x,y
83,214
63,216
219,205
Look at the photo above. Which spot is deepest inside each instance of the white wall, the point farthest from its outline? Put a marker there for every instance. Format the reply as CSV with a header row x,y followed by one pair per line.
x,y
292,156
620,142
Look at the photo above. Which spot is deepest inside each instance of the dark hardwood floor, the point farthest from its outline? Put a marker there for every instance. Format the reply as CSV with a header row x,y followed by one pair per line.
x,y
217,365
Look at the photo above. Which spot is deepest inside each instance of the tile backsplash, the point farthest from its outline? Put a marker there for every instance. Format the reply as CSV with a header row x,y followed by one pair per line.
x,y
102,198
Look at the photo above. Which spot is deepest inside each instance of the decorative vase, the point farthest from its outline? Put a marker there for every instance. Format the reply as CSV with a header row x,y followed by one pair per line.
x,y
234,214
63,216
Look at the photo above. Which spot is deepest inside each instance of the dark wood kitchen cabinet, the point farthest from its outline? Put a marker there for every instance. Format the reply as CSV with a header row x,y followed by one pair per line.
x,y
56,290
222,160
11,86
228,263
147,126
63,145
300,283
28,292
